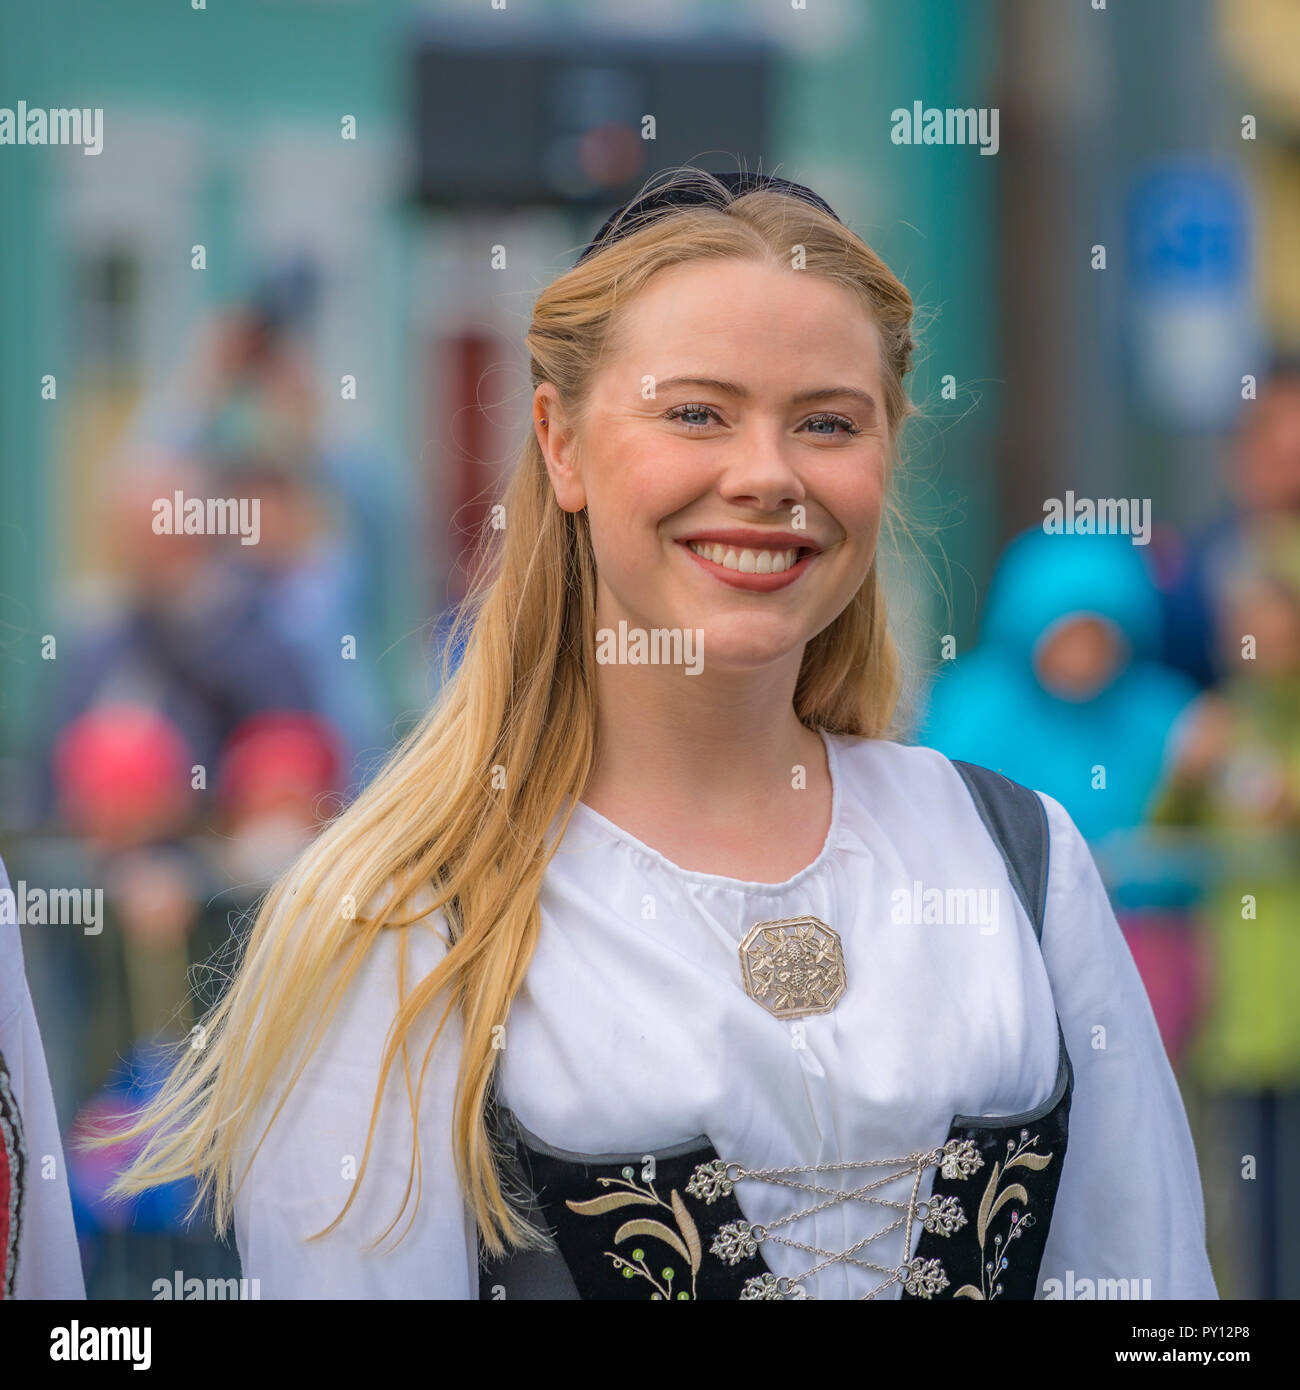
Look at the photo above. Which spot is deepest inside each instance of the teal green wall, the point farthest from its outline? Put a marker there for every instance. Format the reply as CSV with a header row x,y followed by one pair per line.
x,y
232,68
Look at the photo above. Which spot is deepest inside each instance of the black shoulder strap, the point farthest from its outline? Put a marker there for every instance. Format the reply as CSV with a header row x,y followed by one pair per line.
x,y
1017,822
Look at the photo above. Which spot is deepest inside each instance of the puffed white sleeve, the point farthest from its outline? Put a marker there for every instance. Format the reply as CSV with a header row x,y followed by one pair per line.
x,y
304,1170
1130,1204
39,1253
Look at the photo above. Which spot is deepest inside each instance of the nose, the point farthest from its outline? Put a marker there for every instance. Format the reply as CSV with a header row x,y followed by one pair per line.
x,y
759,471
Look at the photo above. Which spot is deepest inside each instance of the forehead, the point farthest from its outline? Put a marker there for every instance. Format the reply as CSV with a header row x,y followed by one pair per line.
x,y
762,325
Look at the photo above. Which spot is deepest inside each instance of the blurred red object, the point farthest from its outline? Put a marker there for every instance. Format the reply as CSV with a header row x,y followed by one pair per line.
x,y
1167,949
278,759
122,774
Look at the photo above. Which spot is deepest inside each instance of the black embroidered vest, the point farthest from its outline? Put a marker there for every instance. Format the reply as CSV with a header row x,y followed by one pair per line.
x,y
627,1229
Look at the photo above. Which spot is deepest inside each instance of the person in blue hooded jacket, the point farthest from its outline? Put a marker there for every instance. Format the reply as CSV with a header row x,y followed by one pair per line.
x,y
1066,692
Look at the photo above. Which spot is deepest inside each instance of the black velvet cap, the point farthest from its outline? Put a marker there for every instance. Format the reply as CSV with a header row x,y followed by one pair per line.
x,y
678,192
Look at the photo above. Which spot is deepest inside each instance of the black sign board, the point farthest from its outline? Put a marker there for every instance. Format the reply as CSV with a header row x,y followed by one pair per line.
x,y
558,118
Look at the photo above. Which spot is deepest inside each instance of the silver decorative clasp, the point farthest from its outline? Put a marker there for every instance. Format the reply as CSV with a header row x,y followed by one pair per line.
x,y
793,967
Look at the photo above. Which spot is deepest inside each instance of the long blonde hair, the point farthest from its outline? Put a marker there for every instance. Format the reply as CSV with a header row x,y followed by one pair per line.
x,y
522,703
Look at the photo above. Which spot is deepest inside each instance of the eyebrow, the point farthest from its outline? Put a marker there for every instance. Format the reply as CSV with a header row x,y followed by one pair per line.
x,y
730,388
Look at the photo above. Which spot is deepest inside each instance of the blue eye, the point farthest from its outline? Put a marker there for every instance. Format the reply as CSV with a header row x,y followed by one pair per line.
x,y
681,411
846,425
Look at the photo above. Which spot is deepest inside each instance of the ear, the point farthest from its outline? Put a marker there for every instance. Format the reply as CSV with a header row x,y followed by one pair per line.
x,y
559,448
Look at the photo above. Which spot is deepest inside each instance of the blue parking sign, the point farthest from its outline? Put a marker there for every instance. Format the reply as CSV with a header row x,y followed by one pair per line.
x,y
1191,327
1188,229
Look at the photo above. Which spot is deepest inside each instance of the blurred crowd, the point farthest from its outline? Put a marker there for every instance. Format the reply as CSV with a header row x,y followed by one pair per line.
x,y
206,712
1154,691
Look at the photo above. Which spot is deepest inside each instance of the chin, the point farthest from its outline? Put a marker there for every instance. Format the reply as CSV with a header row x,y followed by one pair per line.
x,y
743,646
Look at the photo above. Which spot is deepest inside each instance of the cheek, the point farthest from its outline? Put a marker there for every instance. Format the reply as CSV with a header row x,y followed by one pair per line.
x,y
624,506
639,483
856,498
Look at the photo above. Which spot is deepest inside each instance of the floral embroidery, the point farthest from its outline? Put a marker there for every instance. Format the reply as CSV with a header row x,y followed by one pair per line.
x,y
684,1240
993,1201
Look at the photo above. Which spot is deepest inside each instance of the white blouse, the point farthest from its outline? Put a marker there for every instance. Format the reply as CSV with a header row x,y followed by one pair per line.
x,y
634,1032
48,1263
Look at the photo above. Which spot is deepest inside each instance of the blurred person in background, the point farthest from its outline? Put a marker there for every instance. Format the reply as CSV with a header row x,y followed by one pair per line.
x,y
123,778
1065,692
248,402
276,774
1246,793
188,634
304,577
1263,478
169,673
161,676
123,775
150,684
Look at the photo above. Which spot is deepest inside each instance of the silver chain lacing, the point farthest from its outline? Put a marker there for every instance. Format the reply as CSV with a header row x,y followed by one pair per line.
x,y
739,1240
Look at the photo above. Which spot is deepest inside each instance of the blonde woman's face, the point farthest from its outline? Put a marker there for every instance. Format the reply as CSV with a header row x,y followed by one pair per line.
x,y
732,459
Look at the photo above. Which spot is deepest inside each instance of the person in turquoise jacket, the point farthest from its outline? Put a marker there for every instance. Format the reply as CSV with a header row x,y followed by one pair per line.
x,y
1066,693
1065,690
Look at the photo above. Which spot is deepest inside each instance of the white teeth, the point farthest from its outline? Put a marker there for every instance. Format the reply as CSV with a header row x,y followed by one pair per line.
x,y
747,561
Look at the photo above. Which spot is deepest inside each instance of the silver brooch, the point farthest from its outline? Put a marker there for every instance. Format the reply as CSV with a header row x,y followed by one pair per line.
x,y
793,967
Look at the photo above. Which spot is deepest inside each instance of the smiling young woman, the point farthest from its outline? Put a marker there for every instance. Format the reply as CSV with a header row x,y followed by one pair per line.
x,y
679,966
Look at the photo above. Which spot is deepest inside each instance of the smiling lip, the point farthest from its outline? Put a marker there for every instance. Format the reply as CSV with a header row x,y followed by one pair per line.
x,y
759,544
